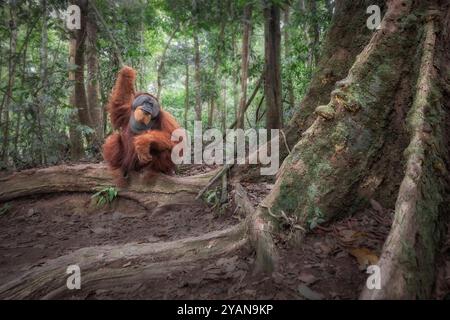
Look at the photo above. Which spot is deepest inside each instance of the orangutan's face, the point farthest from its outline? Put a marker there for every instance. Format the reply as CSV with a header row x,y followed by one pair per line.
x,y
142,116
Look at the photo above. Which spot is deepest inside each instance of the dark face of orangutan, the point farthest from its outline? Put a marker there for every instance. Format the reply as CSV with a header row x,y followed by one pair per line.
x,y
142,116
145,113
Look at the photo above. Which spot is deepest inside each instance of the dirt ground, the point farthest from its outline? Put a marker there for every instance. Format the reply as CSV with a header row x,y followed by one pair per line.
x,y
329,265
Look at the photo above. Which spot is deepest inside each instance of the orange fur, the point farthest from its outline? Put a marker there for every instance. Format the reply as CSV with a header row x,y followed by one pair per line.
x,y
119,106
125,151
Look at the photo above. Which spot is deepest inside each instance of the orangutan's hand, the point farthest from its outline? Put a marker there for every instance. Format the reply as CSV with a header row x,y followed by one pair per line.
x,y
142,146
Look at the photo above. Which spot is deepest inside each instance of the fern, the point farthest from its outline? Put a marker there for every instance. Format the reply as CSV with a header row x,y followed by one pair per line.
x,y
105,196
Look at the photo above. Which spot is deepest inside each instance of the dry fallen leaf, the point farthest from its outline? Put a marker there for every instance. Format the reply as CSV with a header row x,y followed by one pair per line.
x,y
350,235
307,278
364,256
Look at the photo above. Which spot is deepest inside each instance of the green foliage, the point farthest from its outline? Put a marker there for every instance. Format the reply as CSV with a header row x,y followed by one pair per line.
x,y
212,196
42,121
105,196
315,218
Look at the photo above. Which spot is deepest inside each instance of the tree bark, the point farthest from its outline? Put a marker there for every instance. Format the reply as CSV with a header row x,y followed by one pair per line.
x,y
345,39
76,140
245,52
11,79
90,178
44,82
314,34
407,260
272,84
341,161
93,81
79,89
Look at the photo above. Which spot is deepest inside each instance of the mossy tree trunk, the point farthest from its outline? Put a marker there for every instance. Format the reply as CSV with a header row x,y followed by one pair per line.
x,y
346,156
345,39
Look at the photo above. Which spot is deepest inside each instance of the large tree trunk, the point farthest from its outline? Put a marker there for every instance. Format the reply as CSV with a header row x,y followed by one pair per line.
x,y
93,83
349,153
272,84
407,260
79,89
245,52
345,39
76,140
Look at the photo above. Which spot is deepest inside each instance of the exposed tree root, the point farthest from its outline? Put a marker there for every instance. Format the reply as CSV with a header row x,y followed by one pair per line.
x,y
407,260
149,190
260,231
102,267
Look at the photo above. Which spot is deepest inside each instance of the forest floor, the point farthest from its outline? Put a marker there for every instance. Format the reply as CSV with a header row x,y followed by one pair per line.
x,y
330,264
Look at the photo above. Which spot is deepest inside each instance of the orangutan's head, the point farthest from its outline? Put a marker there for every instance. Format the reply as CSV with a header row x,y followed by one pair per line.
x,y
145,111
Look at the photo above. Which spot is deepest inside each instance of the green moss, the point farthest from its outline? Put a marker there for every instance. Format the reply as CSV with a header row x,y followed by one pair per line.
x,y
327,111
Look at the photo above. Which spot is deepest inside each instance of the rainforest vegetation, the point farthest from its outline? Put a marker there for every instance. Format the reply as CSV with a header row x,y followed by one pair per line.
x,y
359,91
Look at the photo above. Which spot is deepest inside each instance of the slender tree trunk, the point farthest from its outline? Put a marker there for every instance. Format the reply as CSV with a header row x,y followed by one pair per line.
x,y
186,96
287,54
314,34
44,81
272,84
80,90
160,69
17,135
235,78
198,96
93,81
76,141
220,45
245,53
224,105
11,79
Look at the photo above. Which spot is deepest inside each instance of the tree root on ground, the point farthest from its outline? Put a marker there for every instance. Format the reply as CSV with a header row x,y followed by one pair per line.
x,y
102,266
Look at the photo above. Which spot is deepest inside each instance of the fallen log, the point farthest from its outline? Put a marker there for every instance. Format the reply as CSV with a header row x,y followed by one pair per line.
x,y
150,191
